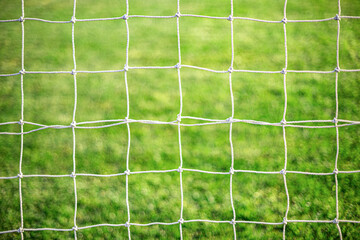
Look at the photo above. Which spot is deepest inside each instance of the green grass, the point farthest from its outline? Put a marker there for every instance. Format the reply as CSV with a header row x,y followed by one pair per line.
x,y
154,94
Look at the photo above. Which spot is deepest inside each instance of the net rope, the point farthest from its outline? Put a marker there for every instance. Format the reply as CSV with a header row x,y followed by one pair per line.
x,y
332,123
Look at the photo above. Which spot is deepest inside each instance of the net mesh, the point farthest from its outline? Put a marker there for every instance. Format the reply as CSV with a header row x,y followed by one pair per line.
x,y
334,123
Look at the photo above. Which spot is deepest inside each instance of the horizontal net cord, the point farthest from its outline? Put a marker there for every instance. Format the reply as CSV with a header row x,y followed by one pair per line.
x,y
175,123
23,71
232,171
352,17
185,117
336,17
178,222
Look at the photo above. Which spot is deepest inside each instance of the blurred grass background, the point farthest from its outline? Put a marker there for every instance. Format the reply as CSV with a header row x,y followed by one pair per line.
x,y
154,95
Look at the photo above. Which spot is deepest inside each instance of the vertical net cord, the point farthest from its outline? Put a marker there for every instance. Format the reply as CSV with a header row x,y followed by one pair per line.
x,y
126,119
232,116
178,66
335,121
73,124
21,229
283,121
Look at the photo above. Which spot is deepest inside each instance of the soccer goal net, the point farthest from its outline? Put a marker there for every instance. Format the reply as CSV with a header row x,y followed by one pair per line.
x,y
178,121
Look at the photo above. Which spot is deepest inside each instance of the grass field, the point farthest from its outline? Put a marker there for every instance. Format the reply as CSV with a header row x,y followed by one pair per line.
x,y
154,95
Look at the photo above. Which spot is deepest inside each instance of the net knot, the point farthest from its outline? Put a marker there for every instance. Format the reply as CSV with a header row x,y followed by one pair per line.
x,y
178,118
284,20
178,14
73,175
22,71
229,119
181,220
230,70
20,175
126,68
337,69
20,230
73,19
127,172
75,228
335,120
337,17
232,222
283,172
125,17
127,224
283,122
126,119
21,122
73,124
336,221
178,66
230,18
232,171
283,71
73,72
336,171
180,170
21,19
284,221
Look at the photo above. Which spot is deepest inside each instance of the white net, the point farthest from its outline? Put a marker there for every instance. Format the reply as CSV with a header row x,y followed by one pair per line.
x,y
230,121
